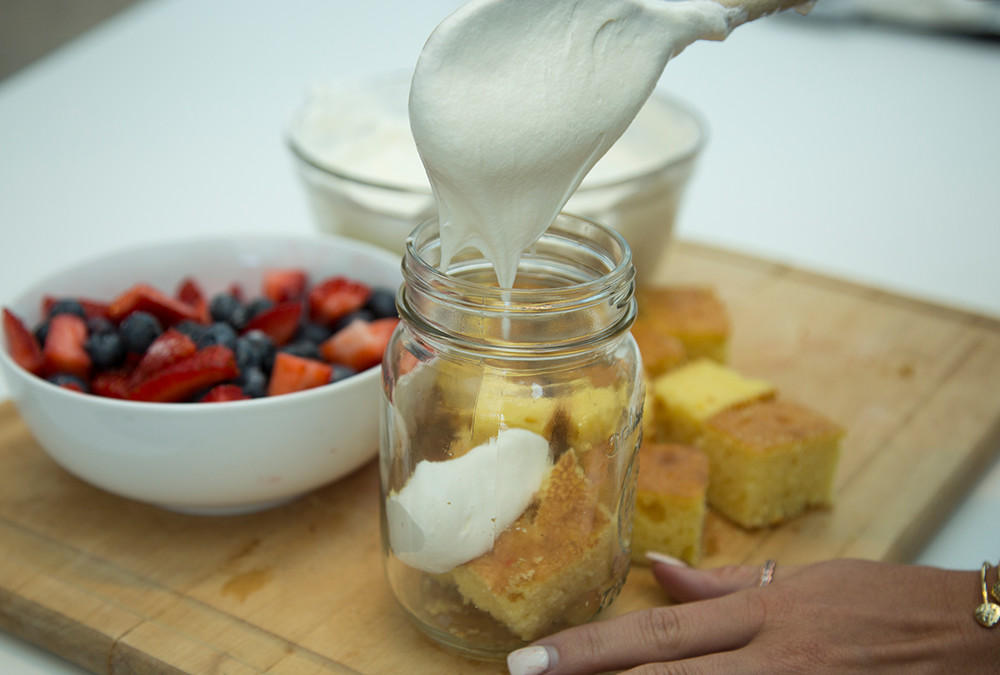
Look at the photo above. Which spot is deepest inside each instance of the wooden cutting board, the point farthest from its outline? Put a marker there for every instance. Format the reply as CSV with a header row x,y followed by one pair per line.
x,y
118,586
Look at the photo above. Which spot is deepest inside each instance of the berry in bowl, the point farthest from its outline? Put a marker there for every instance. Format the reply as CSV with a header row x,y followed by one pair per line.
x,y
208,376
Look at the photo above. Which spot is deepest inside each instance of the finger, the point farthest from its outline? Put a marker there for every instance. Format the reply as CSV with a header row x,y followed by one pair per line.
x,y
686,584
736,662
660,634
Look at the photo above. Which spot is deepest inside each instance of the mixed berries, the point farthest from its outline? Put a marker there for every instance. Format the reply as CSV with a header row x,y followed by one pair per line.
x,y
146,345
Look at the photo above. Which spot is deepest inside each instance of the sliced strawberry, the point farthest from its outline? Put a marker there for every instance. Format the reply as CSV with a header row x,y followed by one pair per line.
x,y
294,373
281,285
145,298
64,350
236,290
111,384
336,297
94,309
169,348
279,322
359,344
224,392
21,343
190,293
181,380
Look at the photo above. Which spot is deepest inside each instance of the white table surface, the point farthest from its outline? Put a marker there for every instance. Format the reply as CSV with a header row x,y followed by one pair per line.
x,y
867,153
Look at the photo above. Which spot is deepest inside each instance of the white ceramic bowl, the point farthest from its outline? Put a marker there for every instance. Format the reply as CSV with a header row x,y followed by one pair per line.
x,y
356,157
211,458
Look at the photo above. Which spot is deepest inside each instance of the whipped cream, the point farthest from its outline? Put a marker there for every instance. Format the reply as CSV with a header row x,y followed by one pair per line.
x,y
513,102
451,512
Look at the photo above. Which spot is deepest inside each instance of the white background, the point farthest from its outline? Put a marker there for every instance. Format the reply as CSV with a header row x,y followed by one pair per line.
x,y
862,151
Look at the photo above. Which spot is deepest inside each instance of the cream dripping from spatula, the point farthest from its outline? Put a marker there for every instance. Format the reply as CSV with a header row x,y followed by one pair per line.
x,y
514,101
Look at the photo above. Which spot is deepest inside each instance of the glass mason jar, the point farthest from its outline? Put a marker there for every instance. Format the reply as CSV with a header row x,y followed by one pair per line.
x,y
510,421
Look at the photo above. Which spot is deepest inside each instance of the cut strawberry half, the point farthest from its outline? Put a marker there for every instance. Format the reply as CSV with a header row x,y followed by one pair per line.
x,y
224,392
94,309
166,350
111,383
183,379
281,285
336,297
21,343
279,322
145,298
64,350
294,373
360,344
190,293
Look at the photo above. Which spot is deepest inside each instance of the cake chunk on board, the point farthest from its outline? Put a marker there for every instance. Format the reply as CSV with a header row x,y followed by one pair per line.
x,y
693,314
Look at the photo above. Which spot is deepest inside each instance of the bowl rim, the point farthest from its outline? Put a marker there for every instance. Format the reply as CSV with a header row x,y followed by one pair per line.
x,y
38,286
660,97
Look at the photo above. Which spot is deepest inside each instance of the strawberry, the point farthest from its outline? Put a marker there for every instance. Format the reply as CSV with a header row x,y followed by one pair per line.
x,y
281,285
94,309
236,290
64,349
169,348
224,392
111,383
336,297
294,373
279,322
21,343
145,298
182,379
190,293
360,344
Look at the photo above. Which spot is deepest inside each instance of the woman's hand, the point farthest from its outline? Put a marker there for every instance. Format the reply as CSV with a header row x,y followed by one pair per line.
x,y
840,616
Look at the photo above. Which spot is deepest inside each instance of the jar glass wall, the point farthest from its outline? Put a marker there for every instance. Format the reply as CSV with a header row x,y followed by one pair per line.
x,y
510,424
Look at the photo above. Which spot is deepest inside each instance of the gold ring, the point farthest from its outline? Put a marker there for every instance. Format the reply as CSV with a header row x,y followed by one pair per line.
x,y
767,573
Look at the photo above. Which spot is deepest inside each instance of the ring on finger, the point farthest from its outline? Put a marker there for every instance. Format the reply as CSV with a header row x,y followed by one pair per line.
x,y
767,573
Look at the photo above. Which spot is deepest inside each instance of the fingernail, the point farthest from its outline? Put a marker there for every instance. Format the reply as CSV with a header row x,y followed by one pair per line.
x,y
531,660
665,559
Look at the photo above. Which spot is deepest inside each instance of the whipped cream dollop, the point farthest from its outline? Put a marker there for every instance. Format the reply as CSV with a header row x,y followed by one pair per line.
x,y
451,512
513,102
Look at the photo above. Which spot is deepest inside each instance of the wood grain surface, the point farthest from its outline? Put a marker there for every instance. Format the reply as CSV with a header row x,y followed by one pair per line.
x,y
118,586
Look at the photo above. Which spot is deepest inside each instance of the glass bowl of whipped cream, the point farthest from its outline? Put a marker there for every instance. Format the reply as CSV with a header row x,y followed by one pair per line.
x,y
355,154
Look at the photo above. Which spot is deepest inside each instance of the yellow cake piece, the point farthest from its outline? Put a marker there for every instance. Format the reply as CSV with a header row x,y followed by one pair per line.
x,y
770,461
660,350
693,314
687,396
551,562
505,404
669,511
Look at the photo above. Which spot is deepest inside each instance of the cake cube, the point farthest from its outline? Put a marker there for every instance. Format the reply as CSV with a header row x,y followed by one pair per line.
x,y
552,561
693,314
660,350
770,461
669,511
689,395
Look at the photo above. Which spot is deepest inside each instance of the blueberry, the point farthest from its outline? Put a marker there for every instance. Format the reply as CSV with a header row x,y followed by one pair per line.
x,y
313,332
106,350
256,306
341,372
42,332
192,329
98,324
382,303
254,350
226,308
217,334
67,306
138,331
344,321
307,350
253,381
69,382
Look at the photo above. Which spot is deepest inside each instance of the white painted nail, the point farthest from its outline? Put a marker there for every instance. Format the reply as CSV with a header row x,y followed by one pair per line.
x,y
665,559
531,660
